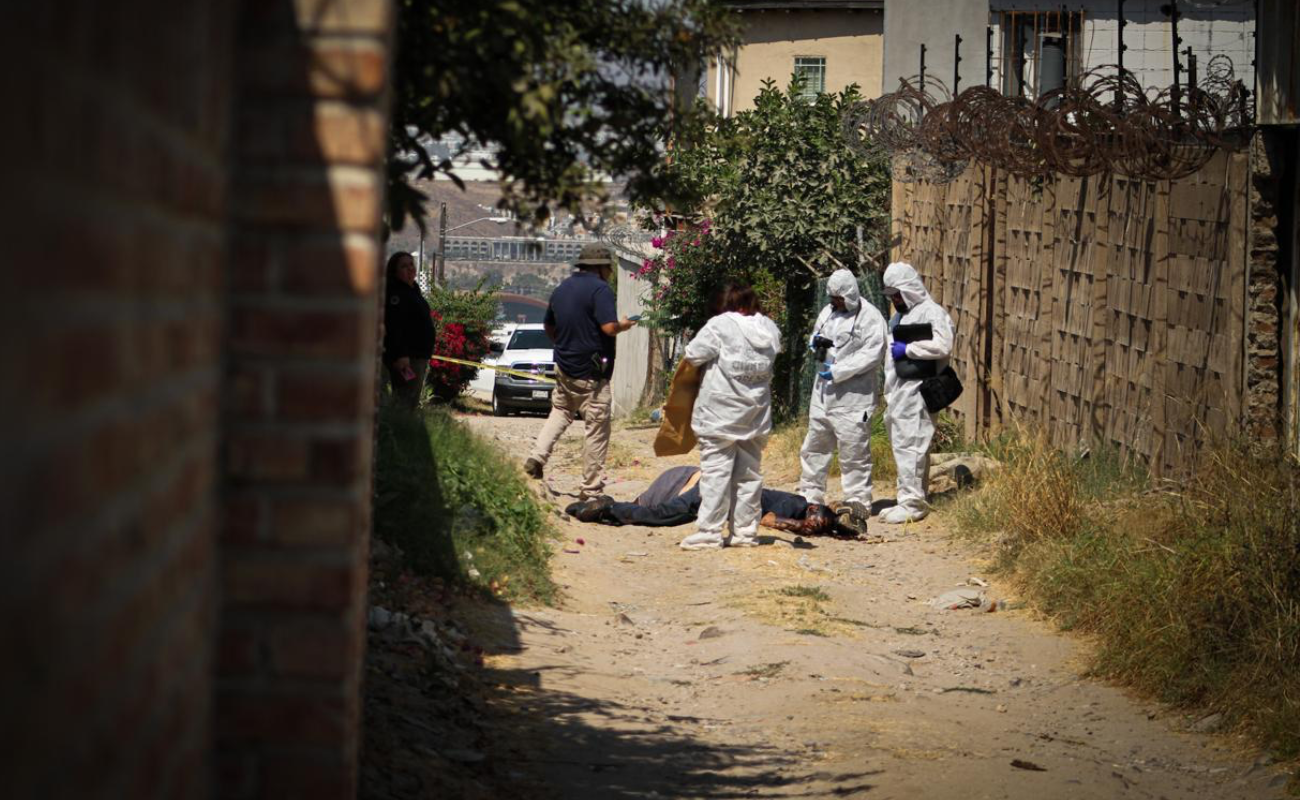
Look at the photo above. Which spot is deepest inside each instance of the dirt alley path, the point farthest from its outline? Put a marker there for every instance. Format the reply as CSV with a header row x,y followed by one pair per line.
x,y
689,674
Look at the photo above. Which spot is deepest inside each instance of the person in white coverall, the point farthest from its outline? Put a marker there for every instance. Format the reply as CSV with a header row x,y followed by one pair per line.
x,y
909,424
732,418
843,396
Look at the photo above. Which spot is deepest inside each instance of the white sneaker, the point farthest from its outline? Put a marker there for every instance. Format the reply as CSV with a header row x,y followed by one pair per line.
x,y
747,541
898,515
702,541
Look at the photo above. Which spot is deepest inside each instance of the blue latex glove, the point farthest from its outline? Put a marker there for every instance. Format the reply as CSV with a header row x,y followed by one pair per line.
x,y
825,374
899,350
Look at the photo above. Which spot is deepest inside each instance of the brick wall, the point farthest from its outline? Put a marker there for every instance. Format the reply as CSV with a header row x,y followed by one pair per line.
x,y
1266,294
114,218
309,138
189,299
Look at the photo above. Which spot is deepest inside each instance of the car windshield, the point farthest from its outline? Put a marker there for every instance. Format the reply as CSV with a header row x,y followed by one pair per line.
x,y
530,340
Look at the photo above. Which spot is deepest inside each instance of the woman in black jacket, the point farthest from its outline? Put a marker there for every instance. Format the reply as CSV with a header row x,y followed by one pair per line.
x,y
408,331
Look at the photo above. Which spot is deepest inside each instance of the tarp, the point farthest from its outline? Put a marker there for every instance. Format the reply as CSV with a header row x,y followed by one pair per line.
x,y
675,436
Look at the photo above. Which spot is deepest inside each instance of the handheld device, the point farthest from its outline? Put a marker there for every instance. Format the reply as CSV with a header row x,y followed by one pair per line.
x,y
821,346
634,317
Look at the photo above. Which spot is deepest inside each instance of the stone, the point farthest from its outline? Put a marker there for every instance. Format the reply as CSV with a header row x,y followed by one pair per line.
x,y
1208,724
379,618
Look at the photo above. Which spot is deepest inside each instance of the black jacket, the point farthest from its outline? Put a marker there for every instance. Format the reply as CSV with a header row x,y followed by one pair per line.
x,y
408,328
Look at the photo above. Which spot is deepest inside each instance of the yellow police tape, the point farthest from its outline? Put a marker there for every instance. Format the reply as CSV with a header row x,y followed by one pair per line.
x,y
532,376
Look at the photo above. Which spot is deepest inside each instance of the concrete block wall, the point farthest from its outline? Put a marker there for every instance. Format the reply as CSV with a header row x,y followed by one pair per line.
x,y
192,202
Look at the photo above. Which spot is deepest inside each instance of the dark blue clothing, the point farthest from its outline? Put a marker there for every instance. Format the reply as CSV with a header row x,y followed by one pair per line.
x,y
578,307
686,506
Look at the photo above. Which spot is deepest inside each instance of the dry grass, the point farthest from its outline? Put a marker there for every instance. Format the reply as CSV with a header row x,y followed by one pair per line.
x,y
797,608
781,458
1193,595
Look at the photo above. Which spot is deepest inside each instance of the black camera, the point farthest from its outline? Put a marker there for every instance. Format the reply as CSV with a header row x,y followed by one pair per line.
x,y
821,346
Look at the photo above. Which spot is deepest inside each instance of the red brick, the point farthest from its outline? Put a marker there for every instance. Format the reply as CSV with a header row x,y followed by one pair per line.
x,y
340,461
236,776
315,649
354,70
346,267
251,267
265,717
243,519
303,778
315,521
310,133
305,396
285,583
278,331
237,653
345,199
248,393
351,16
270,457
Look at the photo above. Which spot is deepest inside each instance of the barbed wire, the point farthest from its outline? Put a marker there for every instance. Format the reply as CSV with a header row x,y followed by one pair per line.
x,y
1103,122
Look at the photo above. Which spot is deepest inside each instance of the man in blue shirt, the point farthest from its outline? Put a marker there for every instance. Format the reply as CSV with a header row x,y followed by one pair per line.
x,y
582,320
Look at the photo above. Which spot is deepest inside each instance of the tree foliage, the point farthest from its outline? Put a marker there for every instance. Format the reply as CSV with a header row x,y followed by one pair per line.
x,y
781,198
566,92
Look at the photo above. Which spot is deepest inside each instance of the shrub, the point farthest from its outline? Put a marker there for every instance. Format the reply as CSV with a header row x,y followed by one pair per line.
x,y
1193,595
463,319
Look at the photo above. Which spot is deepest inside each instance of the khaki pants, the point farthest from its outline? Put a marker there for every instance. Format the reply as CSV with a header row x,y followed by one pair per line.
x,y
591,397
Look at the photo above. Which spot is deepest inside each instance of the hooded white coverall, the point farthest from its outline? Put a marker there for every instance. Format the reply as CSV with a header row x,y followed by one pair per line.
x,y
909,424
732,419
841,408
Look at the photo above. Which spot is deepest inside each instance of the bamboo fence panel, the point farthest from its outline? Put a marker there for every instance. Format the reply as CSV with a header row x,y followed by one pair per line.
x,y
1107,310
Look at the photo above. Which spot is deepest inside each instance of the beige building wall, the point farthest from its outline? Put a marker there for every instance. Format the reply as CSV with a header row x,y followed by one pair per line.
x,y
851,41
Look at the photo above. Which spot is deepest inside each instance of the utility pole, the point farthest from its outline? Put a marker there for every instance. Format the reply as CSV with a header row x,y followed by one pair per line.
x,y
442,245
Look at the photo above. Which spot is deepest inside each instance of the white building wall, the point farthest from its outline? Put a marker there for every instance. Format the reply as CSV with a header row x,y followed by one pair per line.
x,y
1227,29
632,363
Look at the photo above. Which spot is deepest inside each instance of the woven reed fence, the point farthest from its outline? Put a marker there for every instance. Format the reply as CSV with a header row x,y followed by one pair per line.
x,y
1107,310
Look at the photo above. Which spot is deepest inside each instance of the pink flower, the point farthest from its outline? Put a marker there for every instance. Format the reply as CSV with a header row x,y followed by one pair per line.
x,y
672,262
657,242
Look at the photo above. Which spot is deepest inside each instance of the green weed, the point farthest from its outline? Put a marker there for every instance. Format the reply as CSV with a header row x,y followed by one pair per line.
x,y
453,502
811,592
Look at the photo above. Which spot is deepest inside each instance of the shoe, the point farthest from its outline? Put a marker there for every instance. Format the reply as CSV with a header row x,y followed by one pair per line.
x,y
594,510
854,515
533,468
702,541
749,541
898,515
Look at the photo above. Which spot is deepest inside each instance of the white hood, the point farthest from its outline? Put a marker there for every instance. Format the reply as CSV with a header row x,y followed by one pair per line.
x,y
760,332
901,277
842,283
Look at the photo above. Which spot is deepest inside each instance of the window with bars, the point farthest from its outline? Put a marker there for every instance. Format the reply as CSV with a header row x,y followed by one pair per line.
x,y
812,69
1041,50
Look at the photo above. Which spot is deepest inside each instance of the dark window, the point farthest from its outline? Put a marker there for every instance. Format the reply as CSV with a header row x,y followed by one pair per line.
x,y
1040,50
530,340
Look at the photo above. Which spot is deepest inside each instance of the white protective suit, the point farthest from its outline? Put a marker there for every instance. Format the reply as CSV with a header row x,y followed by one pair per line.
x,y
841,408
732,418
909,424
